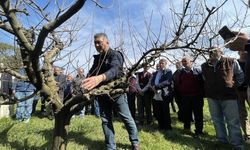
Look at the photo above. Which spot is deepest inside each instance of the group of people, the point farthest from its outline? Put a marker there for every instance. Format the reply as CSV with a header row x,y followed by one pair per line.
x,y
220,80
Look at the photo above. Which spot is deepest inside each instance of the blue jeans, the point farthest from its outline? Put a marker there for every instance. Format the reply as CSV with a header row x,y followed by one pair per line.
x,y
121,104
96,108
24,108
225,116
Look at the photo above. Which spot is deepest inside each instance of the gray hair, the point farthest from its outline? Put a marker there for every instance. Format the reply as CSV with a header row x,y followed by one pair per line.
x,y
101,35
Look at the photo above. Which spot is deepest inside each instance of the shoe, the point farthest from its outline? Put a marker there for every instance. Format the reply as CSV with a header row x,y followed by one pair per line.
x,y
247,139
43,113
81,116
149,123
198,134
136,147
50,117
187,131
26,120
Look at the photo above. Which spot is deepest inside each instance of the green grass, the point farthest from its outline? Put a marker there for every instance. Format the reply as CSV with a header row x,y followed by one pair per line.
x,y
86,134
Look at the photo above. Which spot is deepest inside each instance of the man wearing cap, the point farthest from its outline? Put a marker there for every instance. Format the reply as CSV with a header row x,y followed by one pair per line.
x,y
222,75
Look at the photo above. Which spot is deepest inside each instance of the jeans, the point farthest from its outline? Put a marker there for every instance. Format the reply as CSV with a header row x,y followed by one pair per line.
x,y
96,108
225,116
82,112
24,108
121,104
244,120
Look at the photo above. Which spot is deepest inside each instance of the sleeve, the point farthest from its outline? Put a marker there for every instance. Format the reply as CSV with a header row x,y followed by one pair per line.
x,y
238,73
92,70
116,64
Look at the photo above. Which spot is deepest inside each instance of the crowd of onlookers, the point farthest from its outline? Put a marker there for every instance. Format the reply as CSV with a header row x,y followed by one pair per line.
x,y
220,80
68,86
150,95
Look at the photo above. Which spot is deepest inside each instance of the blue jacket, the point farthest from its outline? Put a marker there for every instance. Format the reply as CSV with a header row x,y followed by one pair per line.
x,y
23,86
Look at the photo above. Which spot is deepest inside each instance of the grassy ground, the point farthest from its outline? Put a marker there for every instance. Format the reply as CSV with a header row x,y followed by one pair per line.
x,y
86,134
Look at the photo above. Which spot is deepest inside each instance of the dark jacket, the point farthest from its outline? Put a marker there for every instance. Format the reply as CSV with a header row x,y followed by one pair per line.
x,y
219,81
111,64
23,86
165,83
6,83
143,80
61,82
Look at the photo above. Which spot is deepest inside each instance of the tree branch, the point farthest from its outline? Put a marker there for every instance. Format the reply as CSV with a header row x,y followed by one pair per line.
x,y
17,28
56,23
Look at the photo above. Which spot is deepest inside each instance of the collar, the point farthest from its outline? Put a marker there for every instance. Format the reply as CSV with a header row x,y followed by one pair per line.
x,y
192,69
210,64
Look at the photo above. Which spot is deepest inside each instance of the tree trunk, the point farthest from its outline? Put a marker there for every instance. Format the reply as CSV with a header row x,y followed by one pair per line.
x,y
61,129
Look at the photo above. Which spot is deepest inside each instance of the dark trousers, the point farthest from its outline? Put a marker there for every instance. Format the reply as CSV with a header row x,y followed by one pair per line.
x,y
144,104
193,104
180,112
162,114
131,103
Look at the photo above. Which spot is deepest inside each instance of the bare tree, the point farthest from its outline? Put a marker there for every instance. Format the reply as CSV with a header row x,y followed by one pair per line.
x,y
41,45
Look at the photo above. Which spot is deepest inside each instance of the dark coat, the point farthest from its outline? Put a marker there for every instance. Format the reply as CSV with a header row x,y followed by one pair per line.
x,y
166,82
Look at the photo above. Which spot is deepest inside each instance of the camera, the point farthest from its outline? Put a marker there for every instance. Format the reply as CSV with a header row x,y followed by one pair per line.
x,y
225,33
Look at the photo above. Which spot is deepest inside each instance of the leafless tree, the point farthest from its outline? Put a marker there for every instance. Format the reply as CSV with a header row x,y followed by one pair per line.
x,y
42,44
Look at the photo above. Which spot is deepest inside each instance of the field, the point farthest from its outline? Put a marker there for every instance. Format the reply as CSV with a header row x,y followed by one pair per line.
x,y
86,134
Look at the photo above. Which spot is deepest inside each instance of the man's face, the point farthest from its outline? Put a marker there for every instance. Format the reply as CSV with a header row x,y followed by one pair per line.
x,y
69,77
145,69
101,44
186,63
215,54
162,64
57,71
80,71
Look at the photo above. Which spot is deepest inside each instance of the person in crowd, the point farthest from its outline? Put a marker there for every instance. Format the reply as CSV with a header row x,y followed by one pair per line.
x,y
23,89
68,88
221,77
35,101
6,89
77,89
5,83
108,65
190,88
60,78
177,96
241,43
61,81
161,84
131,94
144,96
242,99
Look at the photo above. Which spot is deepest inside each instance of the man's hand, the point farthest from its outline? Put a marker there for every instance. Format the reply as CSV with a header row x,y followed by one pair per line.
x,y
238,43
92,82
